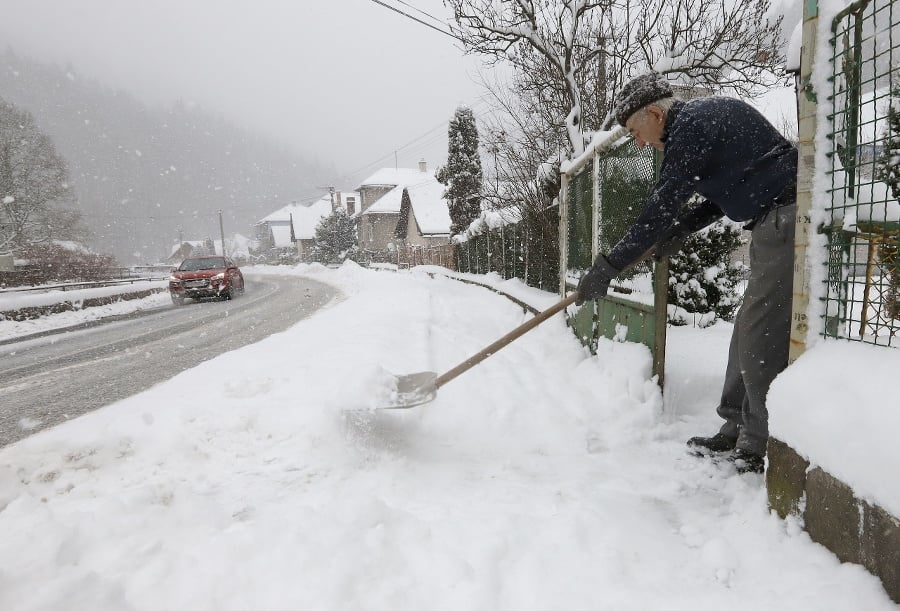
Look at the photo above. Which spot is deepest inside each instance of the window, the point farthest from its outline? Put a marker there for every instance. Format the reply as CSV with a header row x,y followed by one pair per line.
x,y
351,206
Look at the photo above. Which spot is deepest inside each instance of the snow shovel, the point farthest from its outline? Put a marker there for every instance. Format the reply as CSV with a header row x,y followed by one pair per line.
x,y
417,388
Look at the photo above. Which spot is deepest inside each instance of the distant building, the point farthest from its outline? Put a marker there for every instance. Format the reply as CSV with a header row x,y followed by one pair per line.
x,y
238,248
402,207
292,229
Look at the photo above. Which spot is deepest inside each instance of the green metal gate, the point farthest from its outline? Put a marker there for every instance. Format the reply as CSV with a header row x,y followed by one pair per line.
x,y
603,193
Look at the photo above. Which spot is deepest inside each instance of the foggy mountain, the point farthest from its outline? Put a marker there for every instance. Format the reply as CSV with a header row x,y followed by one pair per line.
x,y
146,176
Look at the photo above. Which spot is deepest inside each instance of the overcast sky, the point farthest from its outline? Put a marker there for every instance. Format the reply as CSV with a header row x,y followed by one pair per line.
x,y
345,82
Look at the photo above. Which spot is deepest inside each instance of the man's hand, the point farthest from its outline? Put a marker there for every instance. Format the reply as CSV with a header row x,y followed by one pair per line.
x,y
595,283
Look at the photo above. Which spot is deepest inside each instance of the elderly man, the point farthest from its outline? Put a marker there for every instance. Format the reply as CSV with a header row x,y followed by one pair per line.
x,y
727,152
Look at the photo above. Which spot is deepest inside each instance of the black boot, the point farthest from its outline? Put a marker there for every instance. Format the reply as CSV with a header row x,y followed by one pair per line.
x,y
717,443
747,462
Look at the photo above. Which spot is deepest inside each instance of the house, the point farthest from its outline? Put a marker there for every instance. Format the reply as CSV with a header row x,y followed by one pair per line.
x,y
292,229
238,248
424,216
191,248
402,207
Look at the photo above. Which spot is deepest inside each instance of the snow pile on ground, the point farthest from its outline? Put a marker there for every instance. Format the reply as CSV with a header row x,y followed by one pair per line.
x,y
837,406
544,478
10,329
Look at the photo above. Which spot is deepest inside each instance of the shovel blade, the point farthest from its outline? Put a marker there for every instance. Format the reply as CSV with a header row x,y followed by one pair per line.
x,y
413,389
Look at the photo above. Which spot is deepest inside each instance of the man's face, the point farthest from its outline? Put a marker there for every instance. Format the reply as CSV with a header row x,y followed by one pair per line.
x,y
647,125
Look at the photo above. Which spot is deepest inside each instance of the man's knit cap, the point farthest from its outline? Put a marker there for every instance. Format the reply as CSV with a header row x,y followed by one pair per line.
x,y
639,92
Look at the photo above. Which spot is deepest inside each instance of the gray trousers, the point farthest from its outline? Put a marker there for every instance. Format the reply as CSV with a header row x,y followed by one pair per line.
x,y
761,337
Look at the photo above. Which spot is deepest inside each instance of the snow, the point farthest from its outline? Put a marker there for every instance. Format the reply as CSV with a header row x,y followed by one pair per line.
x,y
837,404
395,177
11,329
430,208
390,202
544,478
875,203
306,216
16,299
281,236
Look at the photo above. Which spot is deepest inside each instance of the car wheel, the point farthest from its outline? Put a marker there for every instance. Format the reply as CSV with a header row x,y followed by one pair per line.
x,y
229,294
242,286
177,299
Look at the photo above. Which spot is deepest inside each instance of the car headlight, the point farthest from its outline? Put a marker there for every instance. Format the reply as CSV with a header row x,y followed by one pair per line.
x,y
174,279
219,277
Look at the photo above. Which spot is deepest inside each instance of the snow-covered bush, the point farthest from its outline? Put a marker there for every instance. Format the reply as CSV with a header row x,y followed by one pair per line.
x,y
702,276
336,238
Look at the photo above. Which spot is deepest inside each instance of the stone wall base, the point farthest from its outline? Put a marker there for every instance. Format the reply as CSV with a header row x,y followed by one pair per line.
x,y
854,530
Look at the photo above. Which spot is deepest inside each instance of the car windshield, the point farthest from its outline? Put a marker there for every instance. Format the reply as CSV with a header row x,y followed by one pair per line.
x,y
193,265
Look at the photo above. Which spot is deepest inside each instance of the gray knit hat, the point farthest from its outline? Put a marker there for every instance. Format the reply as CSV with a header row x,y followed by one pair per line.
x,y
639,92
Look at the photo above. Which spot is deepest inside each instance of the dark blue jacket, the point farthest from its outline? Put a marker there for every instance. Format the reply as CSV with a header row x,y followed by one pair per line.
x,y
723,149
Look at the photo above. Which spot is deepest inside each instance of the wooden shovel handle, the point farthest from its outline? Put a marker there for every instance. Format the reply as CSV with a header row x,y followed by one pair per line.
x,y
506,340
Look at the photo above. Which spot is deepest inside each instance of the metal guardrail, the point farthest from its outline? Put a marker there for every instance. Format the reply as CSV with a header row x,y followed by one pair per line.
x,y
69,286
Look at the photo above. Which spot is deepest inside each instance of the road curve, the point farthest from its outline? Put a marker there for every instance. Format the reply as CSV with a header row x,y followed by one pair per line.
x,y
49,379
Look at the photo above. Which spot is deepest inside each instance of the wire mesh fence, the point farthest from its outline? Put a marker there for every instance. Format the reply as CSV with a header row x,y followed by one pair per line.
x,y
528,250
625,174
862,297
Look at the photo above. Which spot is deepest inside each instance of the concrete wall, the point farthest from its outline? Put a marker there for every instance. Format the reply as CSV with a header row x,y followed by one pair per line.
x,y
853,529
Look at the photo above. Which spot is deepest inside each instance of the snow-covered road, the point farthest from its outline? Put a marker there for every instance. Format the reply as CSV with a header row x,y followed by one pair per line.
x,y
545,478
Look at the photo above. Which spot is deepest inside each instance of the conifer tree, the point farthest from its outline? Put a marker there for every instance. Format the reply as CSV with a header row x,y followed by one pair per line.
x,y
702,277
336,239
462,175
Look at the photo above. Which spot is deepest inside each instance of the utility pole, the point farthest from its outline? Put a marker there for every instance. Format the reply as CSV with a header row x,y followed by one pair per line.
x,y
222,233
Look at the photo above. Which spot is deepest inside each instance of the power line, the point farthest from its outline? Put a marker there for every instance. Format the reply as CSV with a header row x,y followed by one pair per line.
x,y
429,134
416,19
418,10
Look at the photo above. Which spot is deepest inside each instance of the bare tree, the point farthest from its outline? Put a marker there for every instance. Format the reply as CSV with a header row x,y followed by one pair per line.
x,y
33,182
567,51
553,35
721,45
517,139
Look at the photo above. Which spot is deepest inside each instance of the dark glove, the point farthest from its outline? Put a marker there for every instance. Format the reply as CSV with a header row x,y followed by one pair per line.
x,y
595,283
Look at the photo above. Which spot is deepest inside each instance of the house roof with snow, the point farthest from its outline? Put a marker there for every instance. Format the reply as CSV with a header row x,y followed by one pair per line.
x,y
426,196
430,208
307,216
395,177
389,203
281,236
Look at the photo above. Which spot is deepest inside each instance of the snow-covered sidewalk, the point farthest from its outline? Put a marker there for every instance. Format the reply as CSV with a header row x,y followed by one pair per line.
x,y
545,478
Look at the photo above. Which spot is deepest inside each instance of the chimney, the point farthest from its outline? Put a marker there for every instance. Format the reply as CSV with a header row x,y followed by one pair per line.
x,y
423,167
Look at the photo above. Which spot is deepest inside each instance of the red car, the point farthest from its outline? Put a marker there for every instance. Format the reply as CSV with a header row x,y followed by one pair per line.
x,y
202,277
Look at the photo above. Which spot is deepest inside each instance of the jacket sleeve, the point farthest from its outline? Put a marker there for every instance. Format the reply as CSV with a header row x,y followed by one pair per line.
x,y
699,216
687,153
